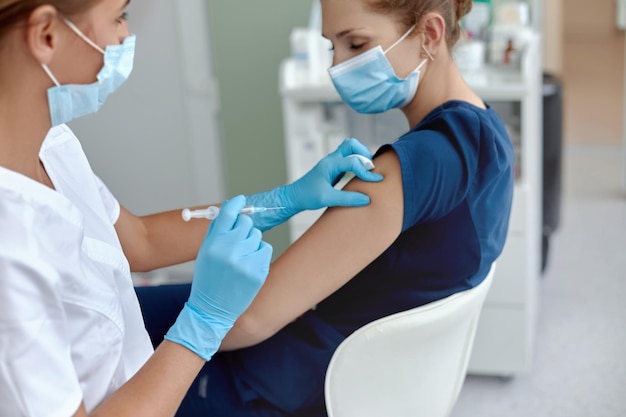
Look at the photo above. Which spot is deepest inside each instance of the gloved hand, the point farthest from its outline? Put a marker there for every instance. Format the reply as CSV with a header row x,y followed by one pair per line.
x,y
315,189
231,266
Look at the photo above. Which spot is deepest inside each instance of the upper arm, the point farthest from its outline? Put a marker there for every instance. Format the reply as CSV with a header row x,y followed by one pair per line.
x,y
338,246
133,235
130,229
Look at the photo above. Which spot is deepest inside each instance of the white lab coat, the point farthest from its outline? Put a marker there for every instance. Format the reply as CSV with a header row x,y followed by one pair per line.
x,y
70,324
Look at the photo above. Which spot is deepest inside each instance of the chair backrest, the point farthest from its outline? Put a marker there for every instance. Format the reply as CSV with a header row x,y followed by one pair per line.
x,y
411,363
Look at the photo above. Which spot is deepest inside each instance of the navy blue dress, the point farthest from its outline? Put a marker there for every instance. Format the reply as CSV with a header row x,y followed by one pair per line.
x,y
457,175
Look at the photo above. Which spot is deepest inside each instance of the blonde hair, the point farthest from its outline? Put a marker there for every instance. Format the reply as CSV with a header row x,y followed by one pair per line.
x,y
411,11
13,12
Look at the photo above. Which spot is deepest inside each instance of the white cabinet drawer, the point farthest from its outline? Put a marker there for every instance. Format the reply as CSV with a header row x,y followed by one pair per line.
x,y
503,342
299,223
296,230
511,278
519,208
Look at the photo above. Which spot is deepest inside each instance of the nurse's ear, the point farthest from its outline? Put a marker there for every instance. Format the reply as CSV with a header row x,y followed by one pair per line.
x,y
433,26
43,33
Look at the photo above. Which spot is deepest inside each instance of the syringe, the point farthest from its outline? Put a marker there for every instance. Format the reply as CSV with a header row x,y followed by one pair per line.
x,y
211,212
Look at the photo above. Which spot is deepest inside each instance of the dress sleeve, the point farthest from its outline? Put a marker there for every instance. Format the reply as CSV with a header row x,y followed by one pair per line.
x,y
438,166
37,376
111,204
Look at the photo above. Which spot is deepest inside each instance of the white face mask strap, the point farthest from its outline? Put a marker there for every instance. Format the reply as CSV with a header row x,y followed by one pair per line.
x,y
427,53
52,77
82,36
403,37
425,60
421,64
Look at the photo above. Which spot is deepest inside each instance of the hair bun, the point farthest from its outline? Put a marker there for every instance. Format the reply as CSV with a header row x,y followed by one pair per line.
x,y
463,7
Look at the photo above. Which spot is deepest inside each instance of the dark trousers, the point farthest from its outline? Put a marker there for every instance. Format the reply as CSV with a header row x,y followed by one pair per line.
x,y
215,392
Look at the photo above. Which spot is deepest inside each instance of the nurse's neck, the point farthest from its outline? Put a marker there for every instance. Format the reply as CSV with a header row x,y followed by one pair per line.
x,y
24,120
22,132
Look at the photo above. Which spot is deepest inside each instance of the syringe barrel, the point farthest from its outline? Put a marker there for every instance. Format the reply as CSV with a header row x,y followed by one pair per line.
x,y
211,212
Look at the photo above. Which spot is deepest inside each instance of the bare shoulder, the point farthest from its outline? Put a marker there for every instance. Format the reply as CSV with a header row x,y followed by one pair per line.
x,y
363,232
347,239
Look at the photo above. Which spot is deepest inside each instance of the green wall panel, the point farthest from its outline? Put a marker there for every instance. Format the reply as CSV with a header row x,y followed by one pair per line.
x,y
250,38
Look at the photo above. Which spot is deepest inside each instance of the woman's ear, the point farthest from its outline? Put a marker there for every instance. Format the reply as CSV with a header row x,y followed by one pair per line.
x,y
42,33
434,30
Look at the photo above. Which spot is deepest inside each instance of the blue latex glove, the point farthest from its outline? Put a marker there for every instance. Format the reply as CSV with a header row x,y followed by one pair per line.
x,y
315,189
231,266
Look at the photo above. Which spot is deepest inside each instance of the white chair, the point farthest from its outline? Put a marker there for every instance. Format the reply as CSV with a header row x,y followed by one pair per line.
x,y
409,364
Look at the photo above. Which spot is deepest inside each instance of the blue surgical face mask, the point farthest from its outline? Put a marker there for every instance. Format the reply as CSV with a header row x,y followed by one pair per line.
x,y
68,102
368,83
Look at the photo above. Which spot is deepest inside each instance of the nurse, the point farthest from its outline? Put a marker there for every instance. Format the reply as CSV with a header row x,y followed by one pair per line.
x,y
72,336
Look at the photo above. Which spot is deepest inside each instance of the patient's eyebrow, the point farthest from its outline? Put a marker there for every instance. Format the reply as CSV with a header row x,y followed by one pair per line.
x,y
343,33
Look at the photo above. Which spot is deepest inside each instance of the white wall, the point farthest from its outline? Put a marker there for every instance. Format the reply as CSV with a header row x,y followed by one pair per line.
x,y
155,142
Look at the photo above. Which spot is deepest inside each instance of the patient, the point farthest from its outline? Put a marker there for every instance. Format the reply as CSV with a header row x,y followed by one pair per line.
x,y
434,226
